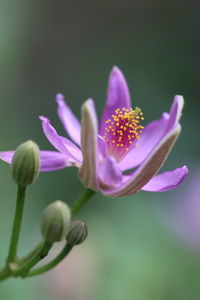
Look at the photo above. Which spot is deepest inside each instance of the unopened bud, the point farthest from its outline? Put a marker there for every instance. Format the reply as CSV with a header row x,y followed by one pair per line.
x,y
77,233
26,163
55,221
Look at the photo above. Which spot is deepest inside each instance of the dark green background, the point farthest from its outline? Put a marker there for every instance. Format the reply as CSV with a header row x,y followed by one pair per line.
x,y
70,47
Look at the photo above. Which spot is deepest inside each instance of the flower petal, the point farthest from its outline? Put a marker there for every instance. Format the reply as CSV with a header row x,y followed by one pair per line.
x,y
72,148
68,119
149,138
118,96
7,156
89,129
50,160
53,160
152,134
166,181
109,173
149,167
175,111
56,140
101,147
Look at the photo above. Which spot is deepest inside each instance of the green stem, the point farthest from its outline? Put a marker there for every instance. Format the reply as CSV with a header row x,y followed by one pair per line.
x,y
77,205
52,264
42,251
32,253
16,224
5,273
81,201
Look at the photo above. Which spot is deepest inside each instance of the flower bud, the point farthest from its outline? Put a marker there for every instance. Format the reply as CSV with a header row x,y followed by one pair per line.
x,y
55,221
77,233
26,163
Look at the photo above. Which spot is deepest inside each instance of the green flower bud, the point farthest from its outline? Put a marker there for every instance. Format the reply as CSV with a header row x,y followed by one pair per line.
x,y
55,221
26,163
77,233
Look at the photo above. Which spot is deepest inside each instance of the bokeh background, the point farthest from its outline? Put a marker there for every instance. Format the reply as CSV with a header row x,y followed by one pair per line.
x,y
145,247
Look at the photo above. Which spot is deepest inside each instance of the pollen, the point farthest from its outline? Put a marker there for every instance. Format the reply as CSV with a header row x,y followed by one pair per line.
x,y
122,131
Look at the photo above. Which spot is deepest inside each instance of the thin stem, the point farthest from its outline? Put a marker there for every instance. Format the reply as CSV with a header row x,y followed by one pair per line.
x,y
77,205
16,224
53,263
43,250
32,253
23,267
81,201
5,273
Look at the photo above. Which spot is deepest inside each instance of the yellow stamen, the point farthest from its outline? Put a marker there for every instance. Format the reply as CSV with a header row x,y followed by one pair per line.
x,y
123,129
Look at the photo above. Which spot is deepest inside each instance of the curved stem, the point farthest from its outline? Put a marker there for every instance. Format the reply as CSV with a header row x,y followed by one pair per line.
x,y
52,264
81,201
76,206
31,254
43,250
16,224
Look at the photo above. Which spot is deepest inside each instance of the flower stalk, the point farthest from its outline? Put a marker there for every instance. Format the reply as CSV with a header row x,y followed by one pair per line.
x,y
42,252
81,201
16,267
12,254
52,264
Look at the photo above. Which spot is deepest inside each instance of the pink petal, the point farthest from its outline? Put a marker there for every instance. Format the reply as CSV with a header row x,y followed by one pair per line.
x,y
56,140
118,96
175,111
7,156
166,181
152,134
72,148
68,119
101,147
89,129
149,138
50,160
53,160
149,167
109,173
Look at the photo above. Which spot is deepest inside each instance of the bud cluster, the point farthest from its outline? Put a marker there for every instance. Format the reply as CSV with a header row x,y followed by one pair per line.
x,y
56,225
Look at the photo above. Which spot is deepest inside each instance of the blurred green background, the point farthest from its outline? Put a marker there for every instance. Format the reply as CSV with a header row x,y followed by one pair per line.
x,y
70,47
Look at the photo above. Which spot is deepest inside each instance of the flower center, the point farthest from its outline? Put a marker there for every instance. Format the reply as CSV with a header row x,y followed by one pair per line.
x,y
122,131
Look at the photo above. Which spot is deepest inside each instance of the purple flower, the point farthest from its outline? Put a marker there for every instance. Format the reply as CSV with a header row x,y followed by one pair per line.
x,y
121,144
